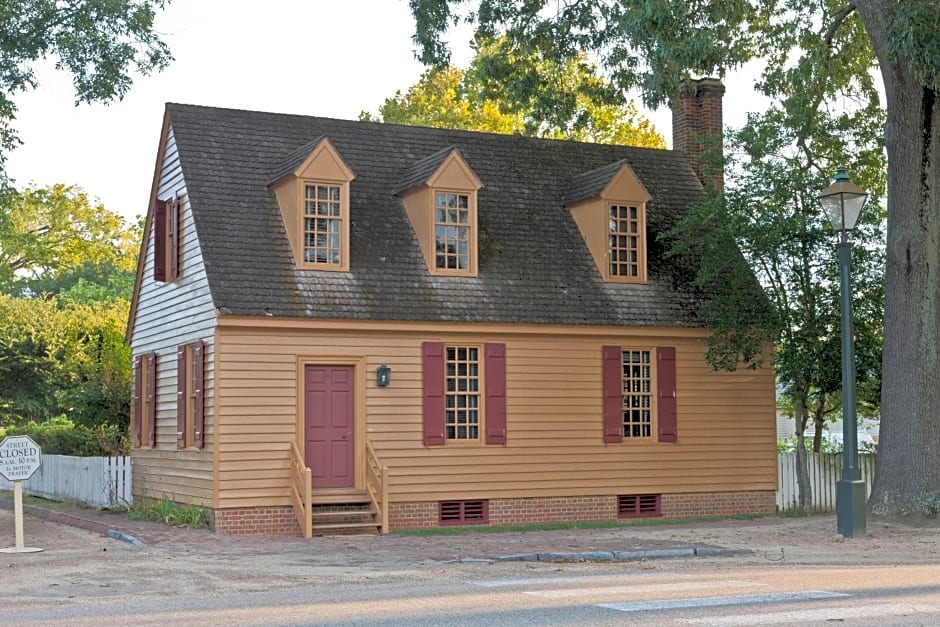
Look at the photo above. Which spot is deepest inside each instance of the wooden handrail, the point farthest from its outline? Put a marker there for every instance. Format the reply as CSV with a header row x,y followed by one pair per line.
x,y
377,485
301,491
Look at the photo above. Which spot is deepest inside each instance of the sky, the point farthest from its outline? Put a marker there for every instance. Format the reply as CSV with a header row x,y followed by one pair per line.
x,y
330,58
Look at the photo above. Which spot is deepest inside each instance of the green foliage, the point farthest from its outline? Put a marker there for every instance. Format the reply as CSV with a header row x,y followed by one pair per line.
x,y
61,436
51,237
100,43
580,105
68,360
167,511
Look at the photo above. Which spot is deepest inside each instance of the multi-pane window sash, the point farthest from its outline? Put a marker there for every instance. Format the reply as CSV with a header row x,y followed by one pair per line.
x,y
452,231
323,224
637,394
462,393
624,241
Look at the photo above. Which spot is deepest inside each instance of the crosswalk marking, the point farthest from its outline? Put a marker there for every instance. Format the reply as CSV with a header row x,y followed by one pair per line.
x,y
680,604
639,589
795,617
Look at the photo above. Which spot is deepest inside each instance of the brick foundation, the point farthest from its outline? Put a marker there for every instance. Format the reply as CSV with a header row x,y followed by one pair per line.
x,y
255,520
587,508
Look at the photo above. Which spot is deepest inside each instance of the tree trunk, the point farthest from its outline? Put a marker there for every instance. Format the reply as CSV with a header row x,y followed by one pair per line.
x,y
819,421
907,478
800,415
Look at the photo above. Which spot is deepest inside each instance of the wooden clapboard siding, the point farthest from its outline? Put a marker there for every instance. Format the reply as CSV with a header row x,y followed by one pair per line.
x,y
165,316
726,427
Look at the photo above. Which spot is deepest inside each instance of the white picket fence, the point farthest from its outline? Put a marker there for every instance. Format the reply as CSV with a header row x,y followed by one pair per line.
x,y
91,481
825,470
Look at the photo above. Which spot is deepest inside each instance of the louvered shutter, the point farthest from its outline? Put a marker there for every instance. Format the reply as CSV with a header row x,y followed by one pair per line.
x,y
159,239
181,391
152,399
173,245
494,371
199,411
612,367
433,378
666,393
138,400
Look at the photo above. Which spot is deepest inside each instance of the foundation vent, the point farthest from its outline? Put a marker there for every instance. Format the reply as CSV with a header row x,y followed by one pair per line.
x,y
639,505
476,512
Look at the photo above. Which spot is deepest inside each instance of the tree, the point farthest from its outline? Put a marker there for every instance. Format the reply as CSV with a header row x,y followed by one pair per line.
x,y
49,233
99,42
577,104
655,45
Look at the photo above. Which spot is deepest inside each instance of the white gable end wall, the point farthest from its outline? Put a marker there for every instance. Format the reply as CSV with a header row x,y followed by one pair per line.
x,y
169,315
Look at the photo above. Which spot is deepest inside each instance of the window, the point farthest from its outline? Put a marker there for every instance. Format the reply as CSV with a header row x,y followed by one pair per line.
x,y
624,238
458,380
462,395
637,394
475,512
323,224
639,505
452,230
632,379
167,226
144,400
190,395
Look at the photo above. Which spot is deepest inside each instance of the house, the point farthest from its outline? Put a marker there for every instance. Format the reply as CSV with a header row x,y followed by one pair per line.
x,y
431,327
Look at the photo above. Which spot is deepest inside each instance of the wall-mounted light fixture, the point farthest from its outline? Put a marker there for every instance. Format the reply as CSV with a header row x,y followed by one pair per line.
x,y
383,375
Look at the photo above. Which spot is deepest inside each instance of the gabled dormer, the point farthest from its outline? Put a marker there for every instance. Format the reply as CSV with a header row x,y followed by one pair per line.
x,y
312,190
440,197
609,206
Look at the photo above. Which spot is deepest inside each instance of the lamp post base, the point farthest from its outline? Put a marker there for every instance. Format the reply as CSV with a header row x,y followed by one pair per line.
x,y
850,508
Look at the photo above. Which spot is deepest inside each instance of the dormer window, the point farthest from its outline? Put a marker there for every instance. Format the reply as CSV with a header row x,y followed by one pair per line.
x,y
323,224
626,240
452,234
609,207
440,197
312,189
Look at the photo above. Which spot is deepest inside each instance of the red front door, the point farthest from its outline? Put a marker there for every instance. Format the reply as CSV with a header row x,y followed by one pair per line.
x,y
328,419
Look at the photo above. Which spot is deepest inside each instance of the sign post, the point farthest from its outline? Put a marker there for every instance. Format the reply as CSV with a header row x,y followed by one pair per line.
x,y
20,457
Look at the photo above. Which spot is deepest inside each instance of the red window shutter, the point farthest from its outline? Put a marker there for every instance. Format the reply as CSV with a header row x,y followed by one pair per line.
x,y
433,375
174,244
666,393
613,393
138,400
181,393
159,239
494,372
199,381
152,399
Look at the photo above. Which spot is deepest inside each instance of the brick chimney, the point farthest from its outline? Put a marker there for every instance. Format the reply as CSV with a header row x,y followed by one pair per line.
x,y
696,118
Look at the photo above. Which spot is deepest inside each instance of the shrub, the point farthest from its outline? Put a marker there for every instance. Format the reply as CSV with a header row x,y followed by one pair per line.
x,y
61,436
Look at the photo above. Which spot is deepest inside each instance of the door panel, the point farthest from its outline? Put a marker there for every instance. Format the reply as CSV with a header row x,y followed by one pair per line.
x,y
329,437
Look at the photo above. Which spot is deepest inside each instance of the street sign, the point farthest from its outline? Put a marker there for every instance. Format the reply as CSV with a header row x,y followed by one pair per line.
x,y
20,457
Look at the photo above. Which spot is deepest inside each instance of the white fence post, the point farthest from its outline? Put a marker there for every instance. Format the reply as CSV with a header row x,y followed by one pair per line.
x,y
92,481
825,469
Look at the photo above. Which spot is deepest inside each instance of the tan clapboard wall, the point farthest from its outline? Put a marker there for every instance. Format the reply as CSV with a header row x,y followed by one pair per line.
x,y
168,315
726,420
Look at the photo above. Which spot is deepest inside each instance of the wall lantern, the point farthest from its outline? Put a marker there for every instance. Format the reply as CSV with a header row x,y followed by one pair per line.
x,y
383,375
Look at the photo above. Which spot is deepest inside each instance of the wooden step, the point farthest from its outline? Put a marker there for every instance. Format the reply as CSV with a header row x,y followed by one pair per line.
x,y
319,529
340,497
345,514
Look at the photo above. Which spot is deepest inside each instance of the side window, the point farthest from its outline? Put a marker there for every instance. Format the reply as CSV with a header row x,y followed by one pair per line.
x,y
638,384
190,395
167,226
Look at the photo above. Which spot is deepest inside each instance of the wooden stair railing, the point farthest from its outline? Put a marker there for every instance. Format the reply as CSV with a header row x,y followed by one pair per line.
x,y
301,491
377,486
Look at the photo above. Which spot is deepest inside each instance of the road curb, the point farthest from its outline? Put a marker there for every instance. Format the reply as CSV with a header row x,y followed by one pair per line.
x,y
74,521
609,556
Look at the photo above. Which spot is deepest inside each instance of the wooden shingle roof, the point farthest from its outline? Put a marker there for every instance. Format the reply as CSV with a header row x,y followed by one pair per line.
x,y
534,266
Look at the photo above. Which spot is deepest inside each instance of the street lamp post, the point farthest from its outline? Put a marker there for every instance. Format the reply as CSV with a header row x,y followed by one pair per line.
x,y
842,201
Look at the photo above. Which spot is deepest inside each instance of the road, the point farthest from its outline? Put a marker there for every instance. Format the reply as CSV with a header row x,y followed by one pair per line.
x,y
516,594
